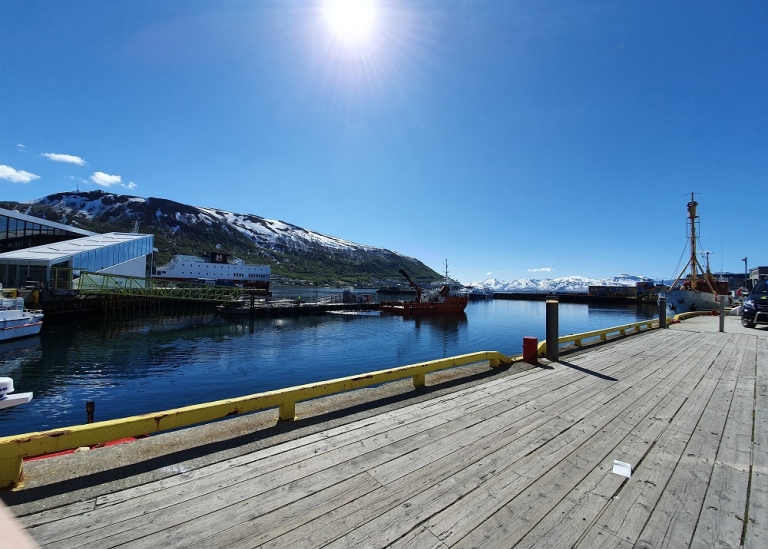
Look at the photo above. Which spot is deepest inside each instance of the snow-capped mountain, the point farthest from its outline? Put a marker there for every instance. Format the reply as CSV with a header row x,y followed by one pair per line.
x,y
567,284
293,252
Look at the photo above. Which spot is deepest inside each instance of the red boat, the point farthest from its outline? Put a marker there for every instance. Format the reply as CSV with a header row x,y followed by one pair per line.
x,y
447,298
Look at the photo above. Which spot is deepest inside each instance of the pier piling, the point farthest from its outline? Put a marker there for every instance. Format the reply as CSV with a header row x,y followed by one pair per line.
x,y
552,328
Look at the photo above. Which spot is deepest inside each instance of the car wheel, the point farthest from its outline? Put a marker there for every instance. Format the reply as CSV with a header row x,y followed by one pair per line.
x,y
746,322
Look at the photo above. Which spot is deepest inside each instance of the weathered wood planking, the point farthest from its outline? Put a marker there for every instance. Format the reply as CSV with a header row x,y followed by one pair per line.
x,y
655,496
524,460
563,524
757,526
548,489
721,519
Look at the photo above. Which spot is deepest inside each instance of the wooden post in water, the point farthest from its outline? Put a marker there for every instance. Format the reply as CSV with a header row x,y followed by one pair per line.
x,y
90,407
553,349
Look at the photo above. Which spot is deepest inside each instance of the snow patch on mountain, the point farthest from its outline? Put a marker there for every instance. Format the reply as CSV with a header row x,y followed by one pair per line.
x,y
565,284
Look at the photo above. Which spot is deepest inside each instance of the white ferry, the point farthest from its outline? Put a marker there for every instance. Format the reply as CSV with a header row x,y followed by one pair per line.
x,y
217,267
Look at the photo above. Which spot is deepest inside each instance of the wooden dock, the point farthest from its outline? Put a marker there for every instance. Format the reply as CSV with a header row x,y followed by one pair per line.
x,y
524,460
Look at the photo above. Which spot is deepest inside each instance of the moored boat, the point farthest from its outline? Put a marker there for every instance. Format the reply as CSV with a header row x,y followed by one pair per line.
x,y
216,268
442,298
16,321
480,293
699,291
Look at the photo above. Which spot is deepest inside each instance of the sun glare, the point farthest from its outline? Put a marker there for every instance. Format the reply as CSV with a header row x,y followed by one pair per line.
x,y
351,21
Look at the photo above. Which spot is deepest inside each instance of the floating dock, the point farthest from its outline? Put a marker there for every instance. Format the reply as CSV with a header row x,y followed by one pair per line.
x,y
654,440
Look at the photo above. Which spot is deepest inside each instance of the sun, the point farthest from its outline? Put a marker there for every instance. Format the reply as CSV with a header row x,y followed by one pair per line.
x,y
350,21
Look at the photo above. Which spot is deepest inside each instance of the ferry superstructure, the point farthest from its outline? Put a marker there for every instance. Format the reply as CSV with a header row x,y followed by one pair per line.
x,y
217,267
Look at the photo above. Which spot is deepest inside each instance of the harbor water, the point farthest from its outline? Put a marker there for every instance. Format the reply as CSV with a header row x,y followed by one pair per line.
x,y
130,366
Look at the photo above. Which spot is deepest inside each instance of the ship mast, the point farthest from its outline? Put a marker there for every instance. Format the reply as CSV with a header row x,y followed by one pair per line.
x,y
693,262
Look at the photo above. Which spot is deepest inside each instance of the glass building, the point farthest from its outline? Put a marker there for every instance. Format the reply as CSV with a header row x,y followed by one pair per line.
x,y
63,252
19,231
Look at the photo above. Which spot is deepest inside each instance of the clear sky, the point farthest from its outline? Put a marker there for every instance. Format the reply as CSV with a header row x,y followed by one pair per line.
x,y
516,139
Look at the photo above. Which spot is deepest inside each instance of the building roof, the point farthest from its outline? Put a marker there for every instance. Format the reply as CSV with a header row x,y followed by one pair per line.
x,y
50,254
40,221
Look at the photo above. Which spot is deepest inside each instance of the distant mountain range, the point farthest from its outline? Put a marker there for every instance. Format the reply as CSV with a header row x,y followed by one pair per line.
x,y
566,284
294,254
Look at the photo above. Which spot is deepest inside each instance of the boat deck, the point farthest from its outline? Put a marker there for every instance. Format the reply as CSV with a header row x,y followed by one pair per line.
x,y
518,461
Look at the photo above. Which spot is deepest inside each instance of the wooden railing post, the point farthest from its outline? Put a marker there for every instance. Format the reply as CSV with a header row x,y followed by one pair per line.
x,y
10,471
288,411
420,380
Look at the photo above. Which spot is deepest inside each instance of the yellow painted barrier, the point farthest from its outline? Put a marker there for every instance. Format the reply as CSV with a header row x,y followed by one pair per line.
x,y
14,448
578,339
691,314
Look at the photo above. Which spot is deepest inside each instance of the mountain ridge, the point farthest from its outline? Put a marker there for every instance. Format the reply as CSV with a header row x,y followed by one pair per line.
x,y
565,284
295,254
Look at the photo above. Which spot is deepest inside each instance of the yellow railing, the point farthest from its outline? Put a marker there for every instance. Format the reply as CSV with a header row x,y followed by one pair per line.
x,y
578,339
14,448
691,314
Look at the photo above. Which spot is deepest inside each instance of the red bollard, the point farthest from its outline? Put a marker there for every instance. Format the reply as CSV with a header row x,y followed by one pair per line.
x,y
530,348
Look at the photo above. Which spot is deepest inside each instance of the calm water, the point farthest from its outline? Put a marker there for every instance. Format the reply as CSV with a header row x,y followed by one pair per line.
x,y
145,365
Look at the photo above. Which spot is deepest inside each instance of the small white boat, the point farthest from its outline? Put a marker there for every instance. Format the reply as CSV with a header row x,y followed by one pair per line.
x,y
16,321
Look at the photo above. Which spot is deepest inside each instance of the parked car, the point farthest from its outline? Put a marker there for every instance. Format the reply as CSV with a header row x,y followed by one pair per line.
x,y
754,310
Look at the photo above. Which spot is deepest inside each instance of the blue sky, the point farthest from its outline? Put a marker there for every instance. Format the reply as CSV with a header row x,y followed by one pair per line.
x,y
514,139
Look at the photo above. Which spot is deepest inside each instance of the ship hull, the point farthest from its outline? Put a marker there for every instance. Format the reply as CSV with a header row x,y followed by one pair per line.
x,y
451,305
686,301
16,321
20,330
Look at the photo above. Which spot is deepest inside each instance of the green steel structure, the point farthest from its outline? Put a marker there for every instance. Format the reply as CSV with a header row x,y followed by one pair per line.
x,y
129,286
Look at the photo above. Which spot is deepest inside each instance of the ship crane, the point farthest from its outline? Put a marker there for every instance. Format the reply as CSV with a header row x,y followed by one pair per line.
x,y
412,283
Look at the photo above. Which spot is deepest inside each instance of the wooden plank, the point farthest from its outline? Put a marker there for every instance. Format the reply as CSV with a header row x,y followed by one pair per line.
x,y
222,518
267,460
628,512
394,496
567,521
658,488
675,516
756,535
721,521
420,538
364,509
527,509
510,479
252,522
